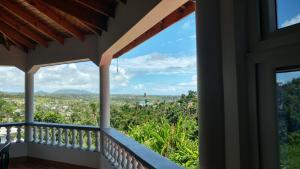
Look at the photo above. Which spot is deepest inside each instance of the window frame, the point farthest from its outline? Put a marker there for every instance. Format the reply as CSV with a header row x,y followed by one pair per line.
x,y
265,64
269,21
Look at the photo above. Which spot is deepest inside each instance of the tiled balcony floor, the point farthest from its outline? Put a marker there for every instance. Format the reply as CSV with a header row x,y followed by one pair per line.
x,y
41,164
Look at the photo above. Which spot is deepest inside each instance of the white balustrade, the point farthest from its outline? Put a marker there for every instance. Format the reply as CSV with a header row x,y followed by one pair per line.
x,y
120,155
13,132
66,136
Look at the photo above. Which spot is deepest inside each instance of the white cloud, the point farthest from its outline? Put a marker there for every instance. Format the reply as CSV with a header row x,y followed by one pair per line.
x,y
11,79
182,87
139,87
191,83
292,21
118,77
83,76
157,63
131,75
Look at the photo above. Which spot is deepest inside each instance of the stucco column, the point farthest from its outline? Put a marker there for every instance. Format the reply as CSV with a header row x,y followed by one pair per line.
x,y
29,104
104,97
210,85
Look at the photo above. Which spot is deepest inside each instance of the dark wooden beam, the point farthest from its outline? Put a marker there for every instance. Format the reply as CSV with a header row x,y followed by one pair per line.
x,y
25,16
5,41
44,8
80,12
18,44
105,7
124,1
25,30
15,35
175,16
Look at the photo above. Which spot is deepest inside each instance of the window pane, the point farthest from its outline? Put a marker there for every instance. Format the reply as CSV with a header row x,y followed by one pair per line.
x,y
288,108
288,12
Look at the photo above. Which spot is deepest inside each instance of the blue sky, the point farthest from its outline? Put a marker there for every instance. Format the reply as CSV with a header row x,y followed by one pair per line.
x,y
163,65
288,12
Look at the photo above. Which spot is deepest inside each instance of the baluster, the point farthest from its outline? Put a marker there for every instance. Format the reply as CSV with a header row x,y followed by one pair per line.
x,y
19,134
47,135
120,157
41,135
53,137
89,140
8,134
129,159
140,166
73,138
135,163
106,147
110,149
34,134
81,139
66,138
116,156
124,159
97,141
59,137
113,148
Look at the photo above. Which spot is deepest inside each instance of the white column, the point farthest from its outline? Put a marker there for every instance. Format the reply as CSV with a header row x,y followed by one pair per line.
x,y
29,103
104,97
210,84
104,108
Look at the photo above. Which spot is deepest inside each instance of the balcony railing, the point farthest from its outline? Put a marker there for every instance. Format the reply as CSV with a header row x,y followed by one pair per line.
x,y
120,151
69,136
14,132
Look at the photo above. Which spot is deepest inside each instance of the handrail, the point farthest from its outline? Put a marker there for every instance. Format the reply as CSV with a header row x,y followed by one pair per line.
x,y
12,124
68,126
144,155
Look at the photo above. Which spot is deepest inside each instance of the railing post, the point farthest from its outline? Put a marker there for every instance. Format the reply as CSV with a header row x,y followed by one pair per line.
x,y
29,104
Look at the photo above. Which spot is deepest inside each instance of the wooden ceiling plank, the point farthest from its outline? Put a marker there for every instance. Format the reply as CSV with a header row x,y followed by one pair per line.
x,y
80,12
13,34
175,16
105,7
44,8
25,30
25,16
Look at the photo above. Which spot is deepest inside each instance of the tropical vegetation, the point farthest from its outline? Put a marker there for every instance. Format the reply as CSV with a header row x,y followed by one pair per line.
x,y
165,124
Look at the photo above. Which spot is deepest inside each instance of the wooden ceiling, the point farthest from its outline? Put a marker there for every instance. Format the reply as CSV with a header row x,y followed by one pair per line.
x,y
25,23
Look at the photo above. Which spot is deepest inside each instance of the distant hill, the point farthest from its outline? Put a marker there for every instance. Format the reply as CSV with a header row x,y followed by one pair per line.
x,y
41,93
72,92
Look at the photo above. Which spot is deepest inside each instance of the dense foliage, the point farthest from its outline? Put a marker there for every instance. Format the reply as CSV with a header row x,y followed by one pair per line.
x,y
288,100
166,124
169,128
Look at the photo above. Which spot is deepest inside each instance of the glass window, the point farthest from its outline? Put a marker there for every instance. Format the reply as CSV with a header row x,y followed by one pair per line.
x,y
288,13
288,108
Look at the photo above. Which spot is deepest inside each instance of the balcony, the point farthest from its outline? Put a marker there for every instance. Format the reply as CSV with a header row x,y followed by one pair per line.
x,y
75,146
